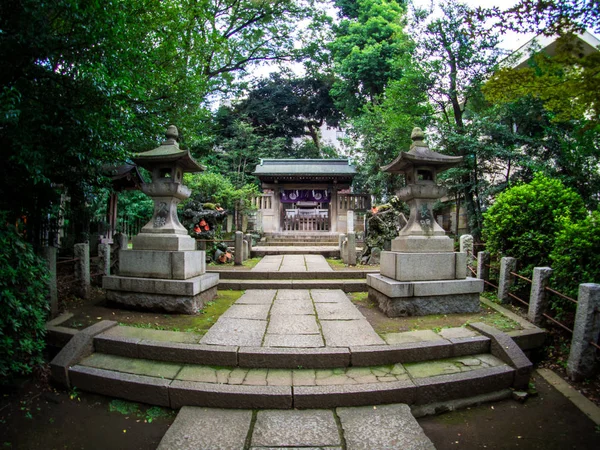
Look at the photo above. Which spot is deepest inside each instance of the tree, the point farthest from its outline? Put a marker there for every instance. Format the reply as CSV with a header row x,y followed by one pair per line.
x,y
566,82
368,42
86,84
290,107
549,17
453,56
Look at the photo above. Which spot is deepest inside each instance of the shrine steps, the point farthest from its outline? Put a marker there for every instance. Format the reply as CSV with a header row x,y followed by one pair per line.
x,y
172,373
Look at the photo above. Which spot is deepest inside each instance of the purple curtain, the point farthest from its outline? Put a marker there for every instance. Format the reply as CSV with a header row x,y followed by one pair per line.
x,y
312,195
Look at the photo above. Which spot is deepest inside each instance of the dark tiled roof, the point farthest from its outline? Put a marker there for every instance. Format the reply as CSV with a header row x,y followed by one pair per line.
x,y
304,167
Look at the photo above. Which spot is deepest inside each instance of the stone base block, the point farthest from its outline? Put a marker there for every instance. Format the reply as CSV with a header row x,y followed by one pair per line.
x,y
424,305
190,287
174,265
393,288
424,266
160,302
423,244
165,242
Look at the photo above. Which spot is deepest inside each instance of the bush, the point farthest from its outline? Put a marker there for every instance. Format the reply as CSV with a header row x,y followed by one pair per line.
x,y
23,305
576,254
524,220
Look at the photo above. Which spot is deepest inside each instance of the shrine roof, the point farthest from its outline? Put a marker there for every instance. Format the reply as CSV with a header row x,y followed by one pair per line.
x,y
305,167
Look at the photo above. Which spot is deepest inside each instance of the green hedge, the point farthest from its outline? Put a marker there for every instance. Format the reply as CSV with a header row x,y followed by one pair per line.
x,y
23,305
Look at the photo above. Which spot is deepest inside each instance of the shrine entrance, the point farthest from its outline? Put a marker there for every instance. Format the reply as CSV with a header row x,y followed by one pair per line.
x,y
307,195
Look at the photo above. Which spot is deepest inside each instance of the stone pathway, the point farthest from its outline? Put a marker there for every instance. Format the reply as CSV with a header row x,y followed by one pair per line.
x,y
293,263
388,426
297,318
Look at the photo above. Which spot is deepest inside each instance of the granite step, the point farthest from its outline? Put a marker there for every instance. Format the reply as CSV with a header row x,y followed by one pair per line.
x,y
176,385
346,285
184,347
228,274
324,250
390,427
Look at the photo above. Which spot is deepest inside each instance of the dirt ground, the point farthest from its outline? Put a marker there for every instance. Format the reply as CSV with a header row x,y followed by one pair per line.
x,y
35,416
546,422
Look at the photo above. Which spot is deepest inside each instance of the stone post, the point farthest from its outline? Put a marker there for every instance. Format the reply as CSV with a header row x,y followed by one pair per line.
x,y
506,280
49,254
341,239
239,248
248,239
351,249
483,261
104,254
587,328
121,241
82,269
466,245
538,297
350,221
229,222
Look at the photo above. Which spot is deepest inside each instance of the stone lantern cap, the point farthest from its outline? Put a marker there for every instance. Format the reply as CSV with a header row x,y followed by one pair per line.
x,y
168,152
420,155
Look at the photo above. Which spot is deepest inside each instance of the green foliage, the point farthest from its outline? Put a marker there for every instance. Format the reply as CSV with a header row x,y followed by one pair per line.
x,y
23,305
208,187
368,42
86,83
566,82
524,220
576,254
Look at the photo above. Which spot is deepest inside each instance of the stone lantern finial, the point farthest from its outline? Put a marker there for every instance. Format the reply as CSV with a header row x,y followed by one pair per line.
x,y
172,133
417,134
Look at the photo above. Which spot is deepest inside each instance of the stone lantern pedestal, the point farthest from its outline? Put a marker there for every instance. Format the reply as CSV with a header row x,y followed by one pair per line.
x,y
422,274
164,271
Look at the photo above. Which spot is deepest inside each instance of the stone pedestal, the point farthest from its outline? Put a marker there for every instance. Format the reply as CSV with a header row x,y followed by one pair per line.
x,y
164,271
422,274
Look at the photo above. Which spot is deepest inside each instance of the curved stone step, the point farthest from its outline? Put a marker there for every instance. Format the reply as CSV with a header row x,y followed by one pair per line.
x,y
346,285
183,348
175,385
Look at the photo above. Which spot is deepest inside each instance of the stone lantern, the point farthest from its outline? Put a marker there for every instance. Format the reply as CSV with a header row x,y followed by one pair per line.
x,y
164,271
422,274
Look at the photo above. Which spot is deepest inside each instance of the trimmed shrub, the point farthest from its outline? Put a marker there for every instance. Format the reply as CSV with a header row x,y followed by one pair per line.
x,y
524,220
23,305
576,254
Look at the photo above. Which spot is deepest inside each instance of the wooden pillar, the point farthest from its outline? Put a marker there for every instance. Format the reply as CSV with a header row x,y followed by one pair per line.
x,y
111,215
276,210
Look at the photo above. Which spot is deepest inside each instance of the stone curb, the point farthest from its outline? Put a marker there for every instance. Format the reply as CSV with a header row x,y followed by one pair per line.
x,y
290,358
354,394
504,348
343,284
269,275
78,347
178,393
136,388
190,393
463,384
293,358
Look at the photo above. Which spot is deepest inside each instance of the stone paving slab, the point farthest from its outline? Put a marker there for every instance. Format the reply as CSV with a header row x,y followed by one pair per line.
x,y
254,312
452,365
382,427
189,431
295,428
292,324
329,296
235,332
292,294
257,297
338,311
349,333
293,307
457,333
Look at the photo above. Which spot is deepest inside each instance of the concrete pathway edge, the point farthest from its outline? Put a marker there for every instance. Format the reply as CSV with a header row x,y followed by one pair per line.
x,y
585,406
